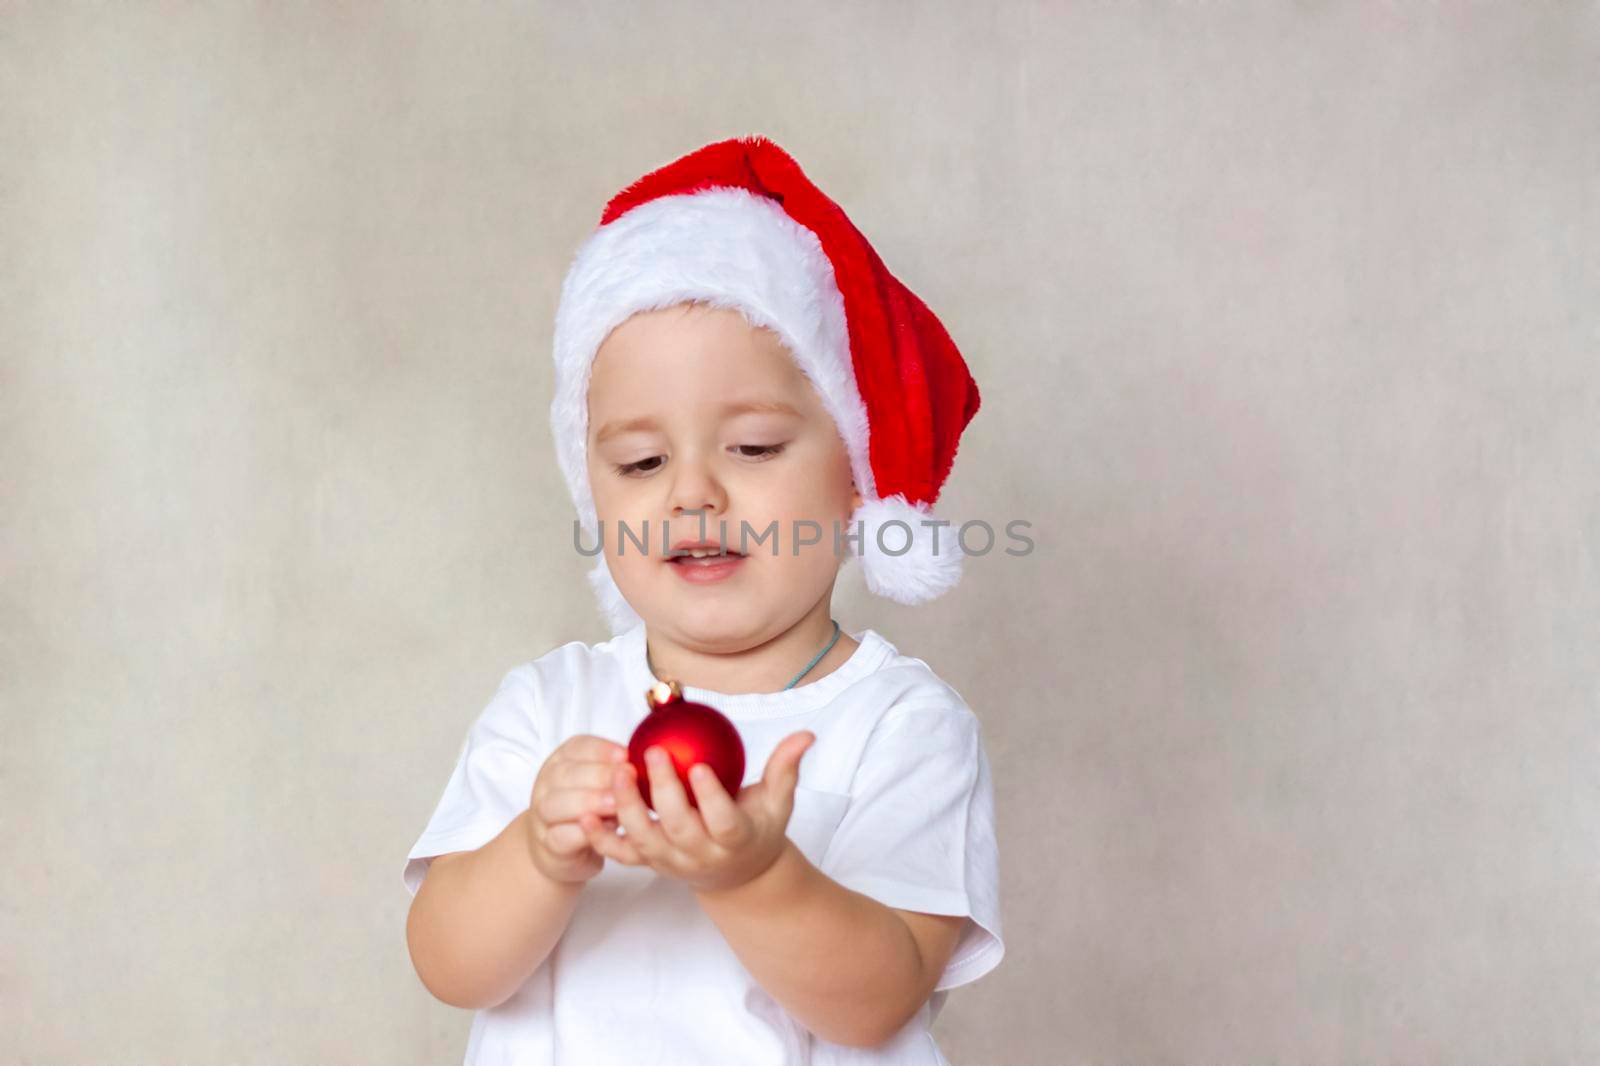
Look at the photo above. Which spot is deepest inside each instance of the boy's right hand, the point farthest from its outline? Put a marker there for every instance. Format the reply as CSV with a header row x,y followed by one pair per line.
x,y
574,780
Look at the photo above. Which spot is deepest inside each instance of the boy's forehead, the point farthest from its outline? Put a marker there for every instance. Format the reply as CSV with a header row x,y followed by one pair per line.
x,y
711,361
688,329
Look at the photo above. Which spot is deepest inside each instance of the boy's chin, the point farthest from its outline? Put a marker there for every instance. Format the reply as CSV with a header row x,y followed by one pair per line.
x,y
705,613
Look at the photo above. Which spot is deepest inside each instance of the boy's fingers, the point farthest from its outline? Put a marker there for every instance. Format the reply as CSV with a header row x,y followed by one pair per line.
x,y
587,772
566,839
565,804
721,814
634,816
603,839
586,747
782,771
590,773
678,820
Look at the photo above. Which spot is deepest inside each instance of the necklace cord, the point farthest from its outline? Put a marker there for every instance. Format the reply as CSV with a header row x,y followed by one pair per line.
x,y
827,648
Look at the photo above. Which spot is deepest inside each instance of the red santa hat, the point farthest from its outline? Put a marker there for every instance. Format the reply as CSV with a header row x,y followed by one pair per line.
x,y
737,225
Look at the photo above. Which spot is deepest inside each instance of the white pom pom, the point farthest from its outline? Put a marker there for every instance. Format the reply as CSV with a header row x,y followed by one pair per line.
x,y
925,570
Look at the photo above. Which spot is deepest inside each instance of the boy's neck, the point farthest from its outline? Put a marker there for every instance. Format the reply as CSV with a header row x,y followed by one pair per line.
x,y
763,667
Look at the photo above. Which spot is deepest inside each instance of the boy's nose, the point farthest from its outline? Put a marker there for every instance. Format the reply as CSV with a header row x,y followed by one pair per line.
x,y
696,488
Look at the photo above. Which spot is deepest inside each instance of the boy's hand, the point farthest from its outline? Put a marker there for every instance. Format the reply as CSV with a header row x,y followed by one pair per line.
x,y
725,843
575,780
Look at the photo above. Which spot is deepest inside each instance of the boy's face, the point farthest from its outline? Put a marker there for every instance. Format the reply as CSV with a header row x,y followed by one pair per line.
x,y
674,377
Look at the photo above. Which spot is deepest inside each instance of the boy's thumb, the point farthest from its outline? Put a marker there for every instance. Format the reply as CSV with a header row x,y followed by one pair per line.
x,y
783,768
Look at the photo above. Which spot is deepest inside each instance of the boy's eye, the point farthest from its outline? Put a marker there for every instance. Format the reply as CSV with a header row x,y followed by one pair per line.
x,y
652,464
629,469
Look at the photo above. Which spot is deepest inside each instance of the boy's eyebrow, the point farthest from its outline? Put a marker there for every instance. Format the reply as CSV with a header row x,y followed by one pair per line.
x,y
727,410
744,407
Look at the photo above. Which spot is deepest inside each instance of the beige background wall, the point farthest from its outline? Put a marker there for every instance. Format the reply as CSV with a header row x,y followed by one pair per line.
x,y
1286,321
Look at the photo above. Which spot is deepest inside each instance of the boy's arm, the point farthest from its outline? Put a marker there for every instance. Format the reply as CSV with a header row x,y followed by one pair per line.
x,y
852,970
483,920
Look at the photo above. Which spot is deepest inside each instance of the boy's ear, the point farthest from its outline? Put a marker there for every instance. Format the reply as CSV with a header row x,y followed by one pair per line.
x,y
855,497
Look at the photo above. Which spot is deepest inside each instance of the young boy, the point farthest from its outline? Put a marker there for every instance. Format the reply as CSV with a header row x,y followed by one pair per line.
x,y
743,386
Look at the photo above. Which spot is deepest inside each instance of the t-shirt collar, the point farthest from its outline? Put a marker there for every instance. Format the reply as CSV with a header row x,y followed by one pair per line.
x,y
870,654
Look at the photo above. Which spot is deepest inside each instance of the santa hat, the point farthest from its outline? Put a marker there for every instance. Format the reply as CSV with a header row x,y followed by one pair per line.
x,y
737,225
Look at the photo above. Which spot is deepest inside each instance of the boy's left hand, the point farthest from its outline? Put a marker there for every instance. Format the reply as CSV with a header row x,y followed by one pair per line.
x,y
725,843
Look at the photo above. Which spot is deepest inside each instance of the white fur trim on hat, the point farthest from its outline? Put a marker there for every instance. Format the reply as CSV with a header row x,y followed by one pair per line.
x,y
725,247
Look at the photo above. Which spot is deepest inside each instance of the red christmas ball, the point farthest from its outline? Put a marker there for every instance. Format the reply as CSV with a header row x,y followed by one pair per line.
x,y
690,733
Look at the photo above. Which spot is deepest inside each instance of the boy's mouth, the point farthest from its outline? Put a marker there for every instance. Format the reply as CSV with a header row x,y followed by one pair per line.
x,y
704,559
693,553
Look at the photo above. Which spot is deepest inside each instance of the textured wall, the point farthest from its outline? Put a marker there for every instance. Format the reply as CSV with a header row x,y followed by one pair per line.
x,y
1285,319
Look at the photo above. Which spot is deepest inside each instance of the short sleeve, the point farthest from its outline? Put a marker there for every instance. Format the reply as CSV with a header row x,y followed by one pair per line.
x,y
491,782
919,831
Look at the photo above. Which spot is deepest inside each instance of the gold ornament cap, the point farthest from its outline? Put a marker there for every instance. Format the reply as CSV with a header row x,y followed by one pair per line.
x,y
662,692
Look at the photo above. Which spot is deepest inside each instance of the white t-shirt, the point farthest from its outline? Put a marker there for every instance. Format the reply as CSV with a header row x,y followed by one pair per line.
x,y
894,801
